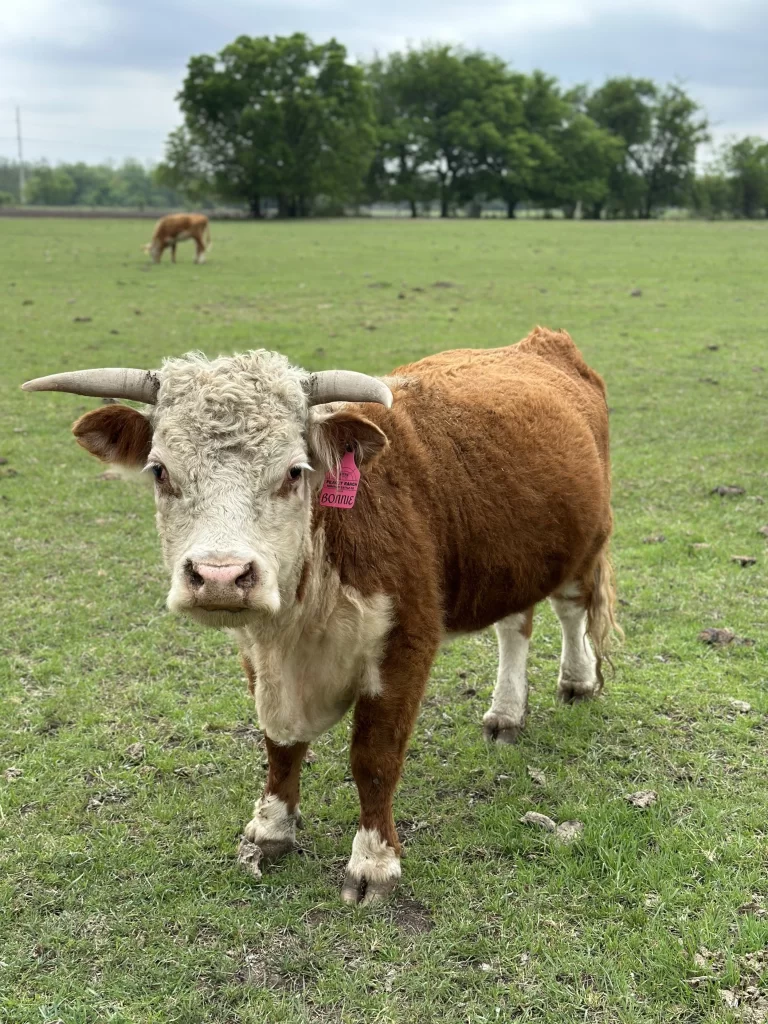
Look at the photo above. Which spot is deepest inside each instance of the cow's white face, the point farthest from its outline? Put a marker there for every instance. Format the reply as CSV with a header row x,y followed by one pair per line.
x,y
233,485
238,457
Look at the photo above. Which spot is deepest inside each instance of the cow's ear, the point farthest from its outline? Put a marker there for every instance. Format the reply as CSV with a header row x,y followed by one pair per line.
x,y
343,431
115,433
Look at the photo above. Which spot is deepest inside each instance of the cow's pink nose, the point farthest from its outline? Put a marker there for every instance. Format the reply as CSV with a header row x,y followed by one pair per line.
x,y
220,584
221,575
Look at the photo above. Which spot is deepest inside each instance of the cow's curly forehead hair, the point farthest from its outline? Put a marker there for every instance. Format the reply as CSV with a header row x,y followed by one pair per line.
x,y
246,402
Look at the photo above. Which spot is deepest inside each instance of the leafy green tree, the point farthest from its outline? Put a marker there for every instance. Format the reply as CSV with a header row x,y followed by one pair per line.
x,y
585,155
661,129
9,177
399,171
442,113
501,150
746,164
50,186
711,195
282,118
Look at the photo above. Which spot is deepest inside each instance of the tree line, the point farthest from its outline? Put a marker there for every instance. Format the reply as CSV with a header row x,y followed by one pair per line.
x,y
296,123
288,126
130,185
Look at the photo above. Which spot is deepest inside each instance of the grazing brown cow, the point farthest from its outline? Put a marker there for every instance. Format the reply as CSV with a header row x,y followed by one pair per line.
x,y
179,227
342,543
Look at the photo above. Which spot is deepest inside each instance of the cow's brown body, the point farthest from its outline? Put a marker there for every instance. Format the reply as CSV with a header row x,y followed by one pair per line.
x,y
180,227
494,488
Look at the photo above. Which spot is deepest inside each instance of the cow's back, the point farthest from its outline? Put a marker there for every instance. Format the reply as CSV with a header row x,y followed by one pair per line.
x,y
174,224
495,487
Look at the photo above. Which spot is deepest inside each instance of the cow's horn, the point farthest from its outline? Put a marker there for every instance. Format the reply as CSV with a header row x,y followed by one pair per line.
x,y
108,382
346,386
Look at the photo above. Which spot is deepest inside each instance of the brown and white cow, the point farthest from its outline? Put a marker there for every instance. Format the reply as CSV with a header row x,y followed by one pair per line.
x,y
484,489
180,227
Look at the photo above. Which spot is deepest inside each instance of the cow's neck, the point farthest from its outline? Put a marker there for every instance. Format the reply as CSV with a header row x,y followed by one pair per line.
x,y
321,650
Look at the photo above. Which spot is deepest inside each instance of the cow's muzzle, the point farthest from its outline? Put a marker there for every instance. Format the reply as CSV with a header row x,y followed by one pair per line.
x,y
219,585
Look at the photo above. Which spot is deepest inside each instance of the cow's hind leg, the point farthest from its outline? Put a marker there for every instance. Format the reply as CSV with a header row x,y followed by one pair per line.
x,y
272,829
579,676
199,251
506,719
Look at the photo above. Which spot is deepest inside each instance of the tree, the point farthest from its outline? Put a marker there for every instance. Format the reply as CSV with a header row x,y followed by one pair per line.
x,y
661,129
746,164
281,118
503,152
50,186
585,155
444,114
398,171
711,195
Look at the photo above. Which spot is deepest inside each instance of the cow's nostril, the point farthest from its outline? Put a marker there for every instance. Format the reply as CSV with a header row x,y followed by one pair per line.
x,y
247,579
194,579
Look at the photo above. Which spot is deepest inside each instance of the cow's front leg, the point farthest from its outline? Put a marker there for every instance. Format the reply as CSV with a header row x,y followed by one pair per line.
x,y
380,737
272,829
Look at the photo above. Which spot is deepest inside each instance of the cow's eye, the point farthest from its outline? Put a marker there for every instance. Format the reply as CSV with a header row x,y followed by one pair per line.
x,y
159,472
295,472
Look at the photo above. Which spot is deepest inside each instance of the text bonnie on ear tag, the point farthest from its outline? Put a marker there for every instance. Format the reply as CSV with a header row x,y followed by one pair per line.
x,y
340,491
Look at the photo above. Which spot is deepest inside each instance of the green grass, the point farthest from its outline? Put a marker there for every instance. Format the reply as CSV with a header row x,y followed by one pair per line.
x,y
119,893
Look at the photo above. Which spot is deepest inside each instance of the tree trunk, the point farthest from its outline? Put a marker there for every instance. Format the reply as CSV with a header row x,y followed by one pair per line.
x,y
254,205
443,204
414,210
511,204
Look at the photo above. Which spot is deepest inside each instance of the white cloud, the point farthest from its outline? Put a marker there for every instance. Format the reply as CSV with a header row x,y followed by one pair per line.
x,y
50,21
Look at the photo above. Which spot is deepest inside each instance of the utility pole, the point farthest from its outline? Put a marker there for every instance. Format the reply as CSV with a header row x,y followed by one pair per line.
x,y
21,156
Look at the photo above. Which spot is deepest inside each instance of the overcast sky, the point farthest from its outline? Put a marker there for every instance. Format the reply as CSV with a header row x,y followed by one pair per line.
x,y
96,79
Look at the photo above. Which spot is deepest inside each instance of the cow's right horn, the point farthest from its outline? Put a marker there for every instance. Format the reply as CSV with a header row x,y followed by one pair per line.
x,y
108,382
346,386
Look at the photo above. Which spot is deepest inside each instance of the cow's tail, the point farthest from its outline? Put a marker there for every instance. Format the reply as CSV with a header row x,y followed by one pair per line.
x,y
602,625
208,242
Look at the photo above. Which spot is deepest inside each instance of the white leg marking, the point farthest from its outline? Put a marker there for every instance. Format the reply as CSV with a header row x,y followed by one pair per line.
x,y
506,718
373,869
272,822
578,665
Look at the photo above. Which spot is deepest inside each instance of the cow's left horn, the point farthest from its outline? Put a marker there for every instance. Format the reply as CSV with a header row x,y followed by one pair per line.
x,y
346,386
108,382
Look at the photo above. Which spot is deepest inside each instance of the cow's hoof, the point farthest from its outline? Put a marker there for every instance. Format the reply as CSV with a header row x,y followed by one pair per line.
x,y
501,728
571,691
358,890
373,870
272,829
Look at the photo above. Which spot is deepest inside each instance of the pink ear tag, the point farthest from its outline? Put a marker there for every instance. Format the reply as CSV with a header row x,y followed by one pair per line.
x,y
340,490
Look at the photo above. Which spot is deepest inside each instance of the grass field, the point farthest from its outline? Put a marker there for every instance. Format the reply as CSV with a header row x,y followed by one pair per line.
x,y
119,893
